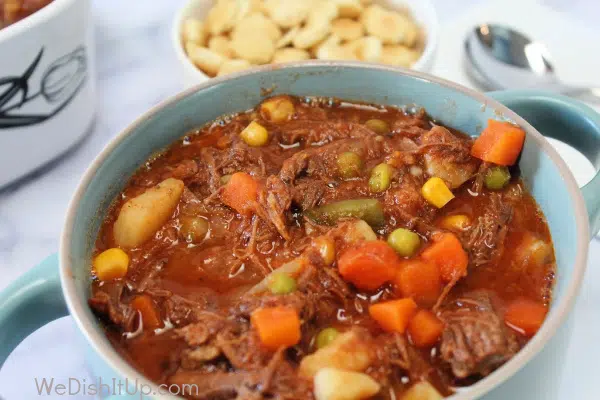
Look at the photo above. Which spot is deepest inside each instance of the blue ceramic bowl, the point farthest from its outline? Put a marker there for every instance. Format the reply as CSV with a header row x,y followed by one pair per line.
x,y
41,295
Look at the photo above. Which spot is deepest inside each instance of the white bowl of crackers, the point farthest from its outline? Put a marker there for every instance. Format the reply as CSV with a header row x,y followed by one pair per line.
x,y
217,37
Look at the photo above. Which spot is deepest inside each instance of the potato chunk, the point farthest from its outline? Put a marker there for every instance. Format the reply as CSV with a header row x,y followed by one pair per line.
x,y
348,351
143,215
422,391
335,384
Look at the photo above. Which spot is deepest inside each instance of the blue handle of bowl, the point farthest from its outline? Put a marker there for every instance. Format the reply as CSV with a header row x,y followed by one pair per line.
x,y
30,302
569,121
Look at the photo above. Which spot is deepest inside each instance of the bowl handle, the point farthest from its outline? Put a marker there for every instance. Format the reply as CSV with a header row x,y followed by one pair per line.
x,y
569,121
28,303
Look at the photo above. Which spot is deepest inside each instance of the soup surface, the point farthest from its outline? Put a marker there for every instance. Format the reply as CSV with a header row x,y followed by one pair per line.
x,y
12,11
315,248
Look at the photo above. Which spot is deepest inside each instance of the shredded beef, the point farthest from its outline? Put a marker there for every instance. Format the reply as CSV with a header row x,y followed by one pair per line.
x,y
213,386
448,156
198,333
107,303
311,131
249,303
276,200
485,239
307,193
475,340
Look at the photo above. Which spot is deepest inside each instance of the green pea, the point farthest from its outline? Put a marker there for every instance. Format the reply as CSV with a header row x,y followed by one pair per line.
x,y
349,165
193,229
381,178
496,178
326,336
405,242
378,126
281,283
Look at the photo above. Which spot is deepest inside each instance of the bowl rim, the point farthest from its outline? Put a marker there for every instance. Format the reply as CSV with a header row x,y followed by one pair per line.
x,y
561,309
433,29
43,14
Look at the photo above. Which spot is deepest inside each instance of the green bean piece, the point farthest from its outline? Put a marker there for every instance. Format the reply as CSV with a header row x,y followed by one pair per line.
x,y
381,178
378,126
325,337
496,178
349,165
281,283
405,242
369,210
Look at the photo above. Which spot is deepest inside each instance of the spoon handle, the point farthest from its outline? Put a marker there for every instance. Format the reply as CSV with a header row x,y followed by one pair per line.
x,y
591,95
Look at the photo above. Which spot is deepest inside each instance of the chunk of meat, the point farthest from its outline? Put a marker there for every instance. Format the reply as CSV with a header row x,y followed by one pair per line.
x,y
315,131
485,239
205,328
475,340
320,162
296,300
392,352
195,358
306,162
308,192
181,311
242,347
107,303
215,385
411,125
275,200
448,156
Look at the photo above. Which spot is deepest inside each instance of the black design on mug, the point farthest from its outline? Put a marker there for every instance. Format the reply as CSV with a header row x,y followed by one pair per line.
x,y
59,85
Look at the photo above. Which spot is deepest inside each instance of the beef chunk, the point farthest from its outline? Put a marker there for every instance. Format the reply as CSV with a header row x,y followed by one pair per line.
x,y
275,379
195,358
198,333
320,162
211,386
485,239
475,340
308,192
316,131
306,162
448,156
249,303
106,302
275,200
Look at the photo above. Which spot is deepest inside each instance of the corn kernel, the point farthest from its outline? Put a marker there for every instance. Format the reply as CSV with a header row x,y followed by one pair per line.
x,y
457,222
255,135
436,192
277,109
111,264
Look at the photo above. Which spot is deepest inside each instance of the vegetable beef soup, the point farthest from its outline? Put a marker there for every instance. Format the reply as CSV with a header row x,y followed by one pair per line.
x,y
316,248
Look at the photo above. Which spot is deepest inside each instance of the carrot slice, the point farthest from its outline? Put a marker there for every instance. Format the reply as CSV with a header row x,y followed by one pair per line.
x,y
240,193
425,328
369,264
525,316
276,326
144,305
420,280
393,316
448,254
499,143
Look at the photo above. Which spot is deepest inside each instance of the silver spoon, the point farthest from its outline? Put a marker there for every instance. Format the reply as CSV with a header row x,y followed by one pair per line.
x,y
498,57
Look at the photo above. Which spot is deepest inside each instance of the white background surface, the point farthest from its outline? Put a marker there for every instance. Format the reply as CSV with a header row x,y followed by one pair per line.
x,y
137,69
